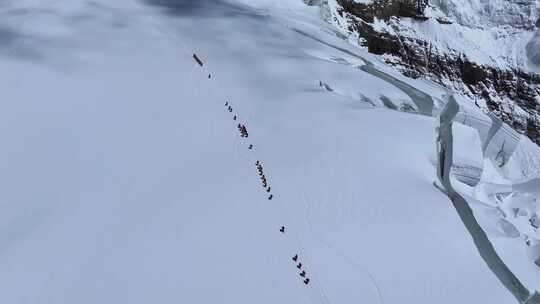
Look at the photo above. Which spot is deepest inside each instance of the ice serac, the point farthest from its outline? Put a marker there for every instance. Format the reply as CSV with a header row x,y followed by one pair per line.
x,y
483,244
486,49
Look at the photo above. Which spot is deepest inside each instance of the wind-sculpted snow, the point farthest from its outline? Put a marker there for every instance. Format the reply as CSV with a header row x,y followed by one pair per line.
x,y
486,13
533,49
202,8
16,44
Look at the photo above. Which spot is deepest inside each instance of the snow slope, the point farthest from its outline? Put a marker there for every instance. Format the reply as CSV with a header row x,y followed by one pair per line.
x,y
493,32
124,178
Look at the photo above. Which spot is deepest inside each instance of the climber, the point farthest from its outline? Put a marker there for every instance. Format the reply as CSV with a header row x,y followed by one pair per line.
x,y
243,132
209,76
226,103
282,229
268,189
306,281
270,197
303,274
250,147
295,257
241,129
198,60
299,266
234,117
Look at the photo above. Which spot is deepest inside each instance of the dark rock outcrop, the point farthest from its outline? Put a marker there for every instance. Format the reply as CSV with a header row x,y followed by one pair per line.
x,y
385,9
512,94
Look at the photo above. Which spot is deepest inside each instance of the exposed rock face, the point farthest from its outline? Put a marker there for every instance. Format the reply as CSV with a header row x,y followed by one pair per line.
x,y
385,9
509,91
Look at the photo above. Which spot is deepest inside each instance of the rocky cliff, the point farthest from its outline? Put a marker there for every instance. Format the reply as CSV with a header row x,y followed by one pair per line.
x,y
488,50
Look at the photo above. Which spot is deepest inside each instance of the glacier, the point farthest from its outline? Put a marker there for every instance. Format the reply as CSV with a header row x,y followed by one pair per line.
x,y
124,177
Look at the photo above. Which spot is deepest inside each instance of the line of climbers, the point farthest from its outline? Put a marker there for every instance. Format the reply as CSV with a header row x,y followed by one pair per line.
x,y
299,266
244,134
263,179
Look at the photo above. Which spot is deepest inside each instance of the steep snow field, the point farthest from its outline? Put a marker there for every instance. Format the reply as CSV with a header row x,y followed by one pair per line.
x,y
125,180
494,32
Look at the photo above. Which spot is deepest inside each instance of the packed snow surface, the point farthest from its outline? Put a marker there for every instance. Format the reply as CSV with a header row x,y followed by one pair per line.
x,y
125,180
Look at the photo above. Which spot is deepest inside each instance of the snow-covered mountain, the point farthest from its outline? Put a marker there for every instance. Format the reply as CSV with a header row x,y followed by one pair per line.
x,y
244,151
486,49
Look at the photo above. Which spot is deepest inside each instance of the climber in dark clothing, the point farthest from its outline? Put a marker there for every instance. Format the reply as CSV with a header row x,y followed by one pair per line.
x,y
241,129
282,229
270,197
197,60
268,189
299,266
209,76
295,257
250,147
226,103
306,281
303,274
234,117
243,132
